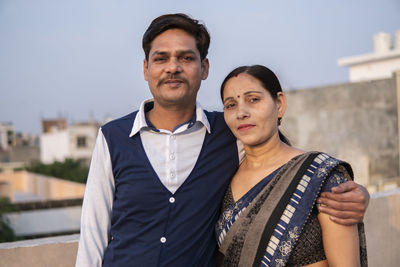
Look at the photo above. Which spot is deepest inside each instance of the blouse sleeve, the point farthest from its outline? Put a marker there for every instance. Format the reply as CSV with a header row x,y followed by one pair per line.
x,y
336,177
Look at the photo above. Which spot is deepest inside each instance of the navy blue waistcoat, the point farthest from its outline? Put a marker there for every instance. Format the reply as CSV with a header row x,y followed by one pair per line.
x,y
142,213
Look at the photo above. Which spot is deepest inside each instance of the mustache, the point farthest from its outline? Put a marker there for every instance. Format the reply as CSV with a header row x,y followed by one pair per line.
x,y
172,77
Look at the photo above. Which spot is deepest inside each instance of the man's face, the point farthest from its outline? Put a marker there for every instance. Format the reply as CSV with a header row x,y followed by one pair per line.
x,y
174,69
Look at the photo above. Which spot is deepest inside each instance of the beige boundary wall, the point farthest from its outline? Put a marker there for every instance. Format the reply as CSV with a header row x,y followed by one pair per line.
x,y
382,224
45,187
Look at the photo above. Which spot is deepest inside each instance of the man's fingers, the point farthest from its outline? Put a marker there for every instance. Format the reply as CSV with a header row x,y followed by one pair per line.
x,y
346,204
352,196
348,216
341,205
345,187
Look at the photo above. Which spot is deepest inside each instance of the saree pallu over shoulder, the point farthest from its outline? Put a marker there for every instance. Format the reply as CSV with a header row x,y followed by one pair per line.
x,y
266,232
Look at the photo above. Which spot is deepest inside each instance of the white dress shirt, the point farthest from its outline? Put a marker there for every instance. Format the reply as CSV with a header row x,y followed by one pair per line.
x,y
172,154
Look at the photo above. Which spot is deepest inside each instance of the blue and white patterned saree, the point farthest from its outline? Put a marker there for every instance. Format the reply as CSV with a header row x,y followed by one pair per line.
x,y
263,227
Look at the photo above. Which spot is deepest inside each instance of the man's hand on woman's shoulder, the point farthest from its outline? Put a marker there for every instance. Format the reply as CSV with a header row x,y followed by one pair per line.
x,y
346,204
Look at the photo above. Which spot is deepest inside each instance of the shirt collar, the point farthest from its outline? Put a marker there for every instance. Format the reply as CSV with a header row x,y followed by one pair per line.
x,y
141,122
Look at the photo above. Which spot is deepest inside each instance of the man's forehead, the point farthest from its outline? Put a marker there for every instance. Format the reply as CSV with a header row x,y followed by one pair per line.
x,y
174,40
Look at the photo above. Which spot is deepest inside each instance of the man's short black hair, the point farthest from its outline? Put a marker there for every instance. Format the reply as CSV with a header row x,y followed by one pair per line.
x,y
177,21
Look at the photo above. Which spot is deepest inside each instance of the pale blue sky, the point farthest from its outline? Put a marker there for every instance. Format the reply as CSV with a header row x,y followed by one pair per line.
x,y
76,58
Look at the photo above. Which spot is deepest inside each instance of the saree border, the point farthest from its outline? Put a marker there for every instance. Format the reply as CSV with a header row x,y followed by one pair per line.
x,y
291,223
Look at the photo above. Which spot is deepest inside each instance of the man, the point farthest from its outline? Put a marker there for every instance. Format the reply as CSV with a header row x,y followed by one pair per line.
x,y
158,175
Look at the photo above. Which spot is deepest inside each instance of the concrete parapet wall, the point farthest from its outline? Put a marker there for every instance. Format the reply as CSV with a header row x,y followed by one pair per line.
x,y
356,122
45,252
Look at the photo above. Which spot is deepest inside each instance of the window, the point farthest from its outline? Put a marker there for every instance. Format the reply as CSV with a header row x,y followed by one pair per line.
x,y
81,141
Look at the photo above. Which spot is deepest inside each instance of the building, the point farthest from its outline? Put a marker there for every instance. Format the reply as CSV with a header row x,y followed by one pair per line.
x,y
380,64
60,141
17,149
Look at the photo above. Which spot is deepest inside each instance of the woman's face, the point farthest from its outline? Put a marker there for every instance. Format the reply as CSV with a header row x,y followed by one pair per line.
x,y
250,111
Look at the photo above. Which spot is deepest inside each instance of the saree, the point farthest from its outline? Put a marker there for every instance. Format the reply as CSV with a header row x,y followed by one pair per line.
x,y
263,228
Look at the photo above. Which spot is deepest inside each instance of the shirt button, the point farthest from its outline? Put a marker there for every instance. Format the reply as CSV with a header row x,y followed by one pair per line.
x,y
172,156
163,239
171,199
172,174
172,136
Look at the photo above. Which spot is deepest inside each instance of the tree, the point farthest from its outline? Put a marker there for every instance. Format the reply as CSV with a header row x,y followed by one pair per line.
x,y
6,232
72,170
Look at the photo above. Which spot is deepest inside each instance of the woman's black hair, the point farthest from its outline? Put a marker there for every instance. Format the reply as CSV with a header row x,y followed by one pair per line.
x,y
268,80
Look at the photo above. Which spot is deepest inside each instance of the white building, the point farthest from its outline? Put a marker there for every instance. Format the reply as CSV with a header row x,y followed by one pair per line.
x,y
59,141
377,65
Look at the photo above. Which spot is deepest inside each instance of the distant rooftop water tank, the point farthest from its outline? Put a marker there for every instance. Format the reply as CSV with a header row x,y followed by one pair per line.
x,y
383,42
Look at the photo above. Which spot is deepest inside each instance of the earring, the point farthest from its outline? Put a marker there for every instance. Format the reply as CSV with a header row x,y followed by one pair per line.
x,y
279,121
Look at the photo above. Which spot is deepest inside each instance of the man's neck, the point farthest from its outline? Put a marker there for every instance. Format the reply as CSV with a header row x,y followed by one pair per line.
x,y
168,118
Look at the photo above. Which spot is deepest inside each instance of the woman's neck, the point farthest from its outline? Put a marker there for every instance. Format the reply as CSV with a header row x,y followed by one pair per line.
x,y
271,154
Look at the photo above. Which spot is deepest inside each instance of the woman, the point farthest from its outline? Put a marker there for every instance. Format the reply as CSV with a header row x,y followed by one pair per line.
x,y
269,213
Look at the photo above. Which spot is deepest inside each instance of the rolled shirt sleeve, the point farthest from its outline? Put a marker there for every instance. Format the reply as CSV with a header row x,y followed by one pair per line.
x,y
97,207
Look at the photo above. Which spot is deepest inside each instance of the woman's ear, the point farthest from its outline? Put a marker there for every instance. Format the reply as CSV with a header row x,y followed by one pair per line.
x,y
281,102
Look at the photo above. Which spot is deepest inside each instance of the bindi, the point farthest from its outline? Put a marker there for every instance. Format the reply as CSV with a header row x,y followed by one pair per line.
x,y
238,96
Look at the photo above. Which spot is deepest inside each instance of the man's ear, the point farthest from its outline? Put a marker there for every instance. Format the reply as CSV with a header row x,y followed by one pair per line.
x,y
145,65
205,66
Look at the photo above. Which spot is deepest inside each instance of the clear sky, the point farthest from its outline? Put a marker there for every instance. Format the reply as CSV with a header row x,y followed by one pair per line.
x,y
80,58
